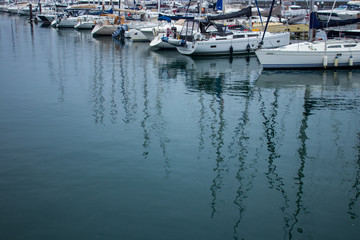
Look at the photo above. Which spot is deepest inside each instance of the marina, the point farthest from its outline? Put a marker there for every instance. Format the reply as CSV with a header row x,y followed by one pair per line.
x,y
109,139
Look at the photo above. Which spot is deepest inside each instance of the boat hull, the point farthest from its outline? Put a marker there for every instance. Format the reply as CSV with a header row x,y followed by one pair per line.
x,y
307,59
104,30
67,22
85,25
137,36
233,45
158,43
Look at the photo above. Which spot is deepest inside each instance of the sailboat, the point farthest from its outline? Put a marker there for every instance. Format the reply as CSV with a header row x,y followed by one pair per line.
x,y
335,53
206,37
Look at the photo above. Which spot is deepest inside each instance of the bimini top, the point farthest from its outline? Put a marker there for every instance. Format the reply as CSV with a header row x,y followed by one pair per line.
x,y
245,12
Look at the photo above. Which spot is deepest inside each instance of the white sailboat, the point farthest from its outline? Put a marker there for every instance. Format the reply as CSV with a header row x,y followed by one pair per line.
x,y
205,37
165,30
316,54
105,28
336,53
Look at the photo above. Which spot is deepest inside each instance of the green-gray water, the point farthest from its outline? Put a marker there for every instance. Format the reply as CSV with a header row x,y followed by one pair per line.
x,y
103,140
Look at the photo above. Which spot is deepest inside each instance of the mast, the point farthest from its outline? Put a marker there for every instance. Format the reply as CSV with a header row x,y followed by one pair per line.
x,y
311,30
200,3
250,23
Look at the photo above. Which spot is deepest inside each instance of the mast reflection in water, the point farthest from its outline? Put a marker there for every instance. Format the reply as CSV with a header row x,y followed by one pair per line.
x,y
102,139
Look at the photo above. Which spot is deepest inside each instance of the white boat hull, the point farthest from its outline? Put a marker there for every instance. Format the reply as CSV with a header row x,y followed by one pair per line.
x,y
137,36
233,45
104,30
157,43
46,17
85,25
148,33
67,22
309,55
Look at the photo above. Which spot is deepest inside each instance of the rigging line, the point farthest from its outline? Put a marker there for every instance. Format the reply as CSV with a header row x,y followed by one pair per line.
x,y
332,9
257,6
267,23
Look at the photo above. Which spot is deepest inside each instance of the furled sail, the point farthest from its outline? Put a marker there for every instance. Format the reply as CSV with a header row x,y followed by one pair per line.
x,y
246,12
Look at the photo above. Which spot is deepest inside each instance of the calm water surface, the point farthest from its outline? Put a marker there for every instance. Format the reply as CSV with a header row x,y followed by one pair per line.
x,y
103,140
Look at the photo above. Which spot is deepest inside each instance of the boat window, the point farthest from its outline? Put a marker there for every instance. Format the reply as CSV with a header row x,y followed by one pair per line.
x,y
353,7
350,45
211,28
188,30
334,46
253,35
342,7
239,36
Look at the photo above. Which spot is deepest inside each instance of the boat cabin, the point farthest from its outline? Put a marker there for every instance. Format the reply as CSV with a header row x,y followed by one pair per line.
x,y
203,29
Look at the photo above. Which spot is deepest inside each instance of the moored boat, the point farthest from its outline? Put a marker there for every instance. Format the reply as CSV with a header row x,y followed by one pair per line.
x,y
334,53
337,53
206,37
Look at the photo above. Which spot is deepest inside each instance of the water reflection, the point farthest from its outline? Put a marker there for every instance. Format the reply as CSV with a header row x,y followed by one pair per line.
x,y
273,140
246,172
213,81
160,125
320,79
210,79
328,83
323,90
113,95
128,90
261,148
97,86
302,152
355,191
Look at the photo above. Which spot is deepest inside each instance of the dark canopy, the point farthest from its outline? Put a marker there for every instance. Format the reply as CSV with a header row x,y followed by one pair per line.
x,y
317,24
246,12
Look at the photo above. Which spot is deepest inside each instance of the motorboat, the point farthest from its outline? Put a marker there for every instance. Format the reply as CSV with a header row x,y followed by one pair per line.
x,y
89,21
14,8
49,12
161,34
351,10
162,27
25,9
46,17
69,18
64,22
136,35
157,43
335,53
107,27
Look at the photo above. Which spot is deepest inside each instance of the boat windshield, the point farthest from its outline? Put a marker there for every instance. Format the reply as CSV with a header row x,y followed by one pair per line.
x,y
218,29
188,30
348,7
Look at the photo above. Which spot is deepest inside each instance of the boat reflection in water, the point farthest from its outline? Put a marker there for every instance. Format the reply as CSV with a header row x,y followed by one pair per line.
x,y
262,129
326,95
317,78
176,146
233,75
